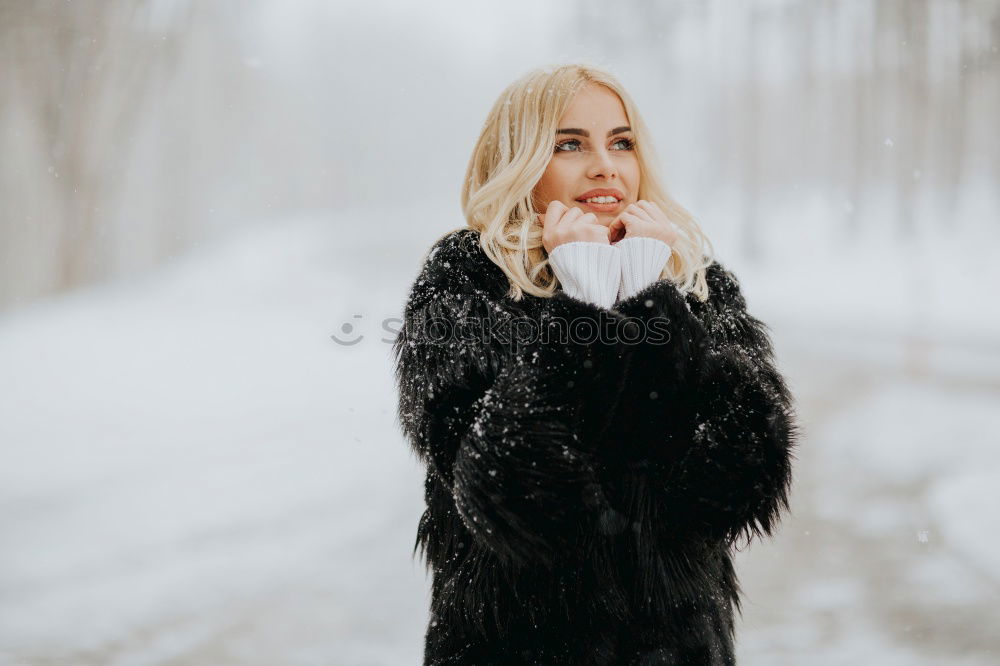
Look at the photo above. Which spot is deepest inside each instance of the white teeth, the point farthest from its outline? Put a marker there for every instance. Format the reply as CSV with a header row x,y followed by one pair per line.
x,y
601,200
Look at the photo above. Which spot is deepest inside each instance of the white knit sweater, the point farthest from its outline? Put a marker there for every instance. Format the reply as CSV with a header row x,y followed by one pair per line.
x,y
603,274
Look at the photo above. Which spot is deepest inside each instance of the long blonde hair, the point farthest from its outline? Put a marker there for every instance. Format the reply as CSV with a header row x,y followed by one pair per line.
x,y
510,157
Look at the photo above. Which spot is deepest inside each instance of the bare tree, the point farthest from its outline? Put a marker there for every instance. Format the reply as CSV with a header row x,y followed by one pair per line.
x,y
84,71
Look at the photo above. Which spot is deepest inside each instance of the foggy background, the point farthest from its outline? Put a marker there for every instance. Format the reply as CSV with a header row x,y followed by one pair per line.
x,y
194,197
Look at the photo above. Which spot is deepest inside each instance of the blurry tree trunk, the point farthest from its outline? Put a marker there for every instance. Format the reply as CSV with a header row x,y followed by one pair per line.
x,y
83,71
913,112
951,94
863,93
750,134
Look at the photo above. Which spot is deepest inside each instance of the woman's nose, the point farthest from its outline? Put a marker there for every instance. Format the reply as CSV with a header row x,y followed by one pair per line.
x,y
602,165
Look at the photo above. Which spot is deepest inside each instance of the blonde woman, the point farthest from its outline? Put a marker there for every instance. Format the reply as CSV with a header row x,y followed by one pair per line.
x,y
600,417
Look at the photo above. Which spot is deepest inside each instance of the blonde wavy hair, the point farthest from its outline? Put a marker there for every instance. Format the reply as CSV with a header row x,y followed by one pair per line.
x,y
510,157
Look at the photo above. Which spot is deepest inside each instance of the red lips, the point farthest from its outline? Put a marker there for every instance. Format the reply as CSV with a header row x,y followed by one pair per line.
x,y
602,192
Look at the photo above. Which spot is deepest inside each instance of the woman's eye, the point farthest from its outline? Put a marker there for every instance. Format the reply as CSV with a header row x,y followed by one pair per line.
x,y
561,147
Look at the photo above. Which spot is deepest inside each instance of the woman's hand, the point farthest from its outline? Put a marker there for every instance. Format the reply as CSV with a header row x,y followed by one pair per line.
x,y
561,224
643,219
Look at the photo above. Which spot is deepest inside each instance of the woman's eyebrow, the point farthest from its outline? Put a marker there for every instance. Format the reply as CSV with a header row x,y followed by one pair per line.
x,y
583,132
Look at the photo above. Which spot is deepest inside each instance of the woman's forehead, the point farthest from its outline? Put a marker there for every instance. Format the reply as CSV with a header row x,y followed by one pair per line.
x,y
594,107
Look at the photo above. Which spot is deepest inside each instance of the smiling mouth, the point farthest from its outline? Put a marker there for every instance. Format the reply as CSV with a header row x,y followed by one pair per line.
x,y
601,207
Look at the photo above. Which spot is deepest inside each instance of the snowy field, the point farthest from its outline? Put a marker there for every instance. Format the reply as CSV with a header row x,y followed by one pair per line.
x,y
194,473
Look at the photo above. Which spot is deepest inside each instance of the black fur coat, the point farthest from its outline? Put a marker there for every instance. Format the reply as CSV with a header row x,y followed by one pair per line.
x,y
588,469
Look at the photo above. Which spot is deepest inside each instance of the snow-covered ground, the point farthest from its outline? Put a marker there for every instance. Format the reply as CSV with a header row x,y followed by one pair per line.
x,y
194,472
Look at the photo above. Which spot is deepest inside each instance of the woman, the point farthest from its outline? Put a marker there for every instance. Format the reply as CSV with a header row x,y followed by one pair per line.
x,y
600,418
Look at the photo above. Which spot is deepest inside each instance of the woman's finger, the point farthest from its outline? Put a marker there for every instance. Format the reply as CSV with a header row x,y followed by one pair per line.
x,y
620,222
658,217
553,212
639,212
570,216
633,225
624,223
550,223
666,228
651,209
662,227
616,231
656,207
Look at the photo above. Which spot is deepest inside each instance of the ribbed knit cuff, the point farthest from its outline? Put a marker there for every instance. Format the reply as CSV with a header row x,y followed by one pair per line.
x,y
588,271
643,259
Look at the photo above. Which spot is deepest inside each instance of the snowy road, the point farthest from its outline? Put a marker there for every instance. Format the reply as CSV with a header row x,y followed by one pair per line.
x,y
194,473
873,566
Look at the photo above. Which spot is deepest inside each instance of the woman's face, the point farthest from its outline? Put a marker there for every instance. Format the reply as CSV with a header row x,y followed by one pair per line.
x,y
593,151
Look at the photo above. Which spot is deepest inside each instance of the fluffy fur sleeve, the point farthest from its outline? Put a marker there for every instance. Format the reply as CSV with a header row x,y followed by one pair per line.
x,y
714,418
503,412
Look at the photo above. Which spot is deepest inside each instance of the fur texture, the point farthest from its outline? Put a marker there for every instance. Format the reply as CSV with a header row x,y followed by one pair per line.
x,y
583,497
